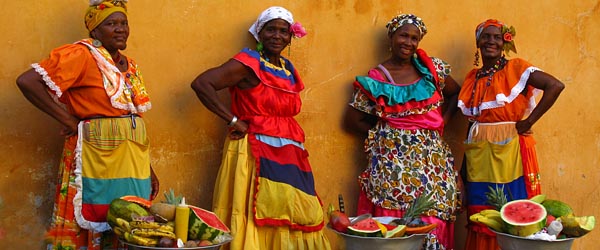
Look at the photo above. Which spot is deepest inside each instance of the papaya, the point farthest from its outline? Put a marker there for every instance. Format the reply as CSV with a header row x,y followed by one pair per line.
x,y
576,226
420,229
123,209
557,208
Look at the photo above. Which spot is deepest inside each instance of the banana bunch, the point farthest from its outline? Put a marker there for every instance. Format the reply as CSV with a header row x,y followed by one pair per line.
x,y
490,218
143,233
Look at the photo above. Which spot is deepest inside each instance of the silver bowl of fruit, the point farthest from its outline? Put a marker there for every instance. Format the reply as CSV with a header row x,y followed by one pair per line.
x,y
512,242
371,240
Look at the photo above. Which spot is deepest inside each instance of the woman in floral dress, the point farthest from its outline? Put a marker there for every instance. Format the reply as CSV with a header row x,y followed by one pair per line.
x,y
402,106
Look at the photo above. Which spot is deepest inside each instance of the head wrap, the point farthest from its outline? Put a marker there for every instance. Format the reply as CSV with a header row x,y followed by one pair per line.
x,y
101,9
508,33
403,19
267,15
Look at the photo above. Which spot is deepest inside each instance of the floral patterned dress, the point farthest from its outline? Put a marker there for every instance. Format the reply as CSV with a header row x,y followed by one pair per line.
x,y
405,150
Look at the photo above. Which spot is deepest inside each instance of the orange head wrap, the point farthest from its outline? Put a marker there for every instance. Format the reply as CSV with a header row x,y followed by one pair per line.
x,y
508,33
101,9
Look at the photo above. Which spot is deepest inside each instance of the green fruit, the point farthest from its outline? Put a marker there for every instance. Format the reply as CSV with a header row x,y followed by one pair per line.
x,y
123,209
365,228
557,208
538,198
576,226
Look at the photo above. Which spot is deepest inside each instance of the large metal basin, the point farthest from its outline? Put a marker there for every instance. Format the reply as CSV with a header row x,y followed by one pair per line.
x,y
511,242
352,242
137,247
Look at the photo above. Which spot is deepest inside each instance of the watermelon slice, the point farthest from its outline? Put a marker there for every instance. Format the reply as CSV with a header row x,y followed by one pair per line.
x,y
523,217
366,228
205,225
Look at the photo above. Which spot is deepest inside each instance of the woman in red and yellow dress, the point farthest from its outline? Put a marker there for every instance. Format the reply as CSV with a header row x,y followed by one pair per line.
x,y
499,101
265,189
98,95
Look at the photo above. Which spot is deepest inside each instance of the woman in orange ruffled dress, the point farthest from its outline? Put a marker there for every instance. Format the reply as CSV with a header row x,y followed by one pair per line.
x,y
499,101
98,95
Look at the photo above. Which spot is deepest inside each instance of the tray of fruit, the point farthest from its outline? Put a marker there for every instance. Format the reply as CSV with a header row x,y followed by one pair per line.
x,y
533,224
382,233
170,224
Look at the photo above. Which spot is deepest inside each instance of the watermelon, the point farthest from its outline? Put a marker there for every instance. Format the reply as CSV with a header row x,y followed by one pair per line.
x,y
557,208
366,228
205,225
125,210
523,217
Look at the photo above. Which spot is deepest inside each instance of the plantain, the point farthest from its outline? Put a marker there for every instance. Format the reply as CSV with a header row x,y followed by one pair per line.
x,y
146,232
152,225
119,231
124,224
139,240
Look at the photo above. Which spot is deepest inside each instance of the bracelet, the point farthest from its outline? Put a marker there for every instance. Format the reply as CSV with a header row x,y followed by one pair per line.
x,y
233,121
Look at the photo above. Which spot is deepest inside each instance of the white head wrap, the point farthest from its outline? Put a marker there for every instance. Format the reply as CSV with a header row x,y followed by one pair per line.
x,y
269,14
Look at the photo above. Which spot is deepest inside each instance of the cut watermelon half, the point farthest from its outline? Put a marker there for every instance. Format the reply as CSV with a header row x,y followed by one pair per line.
x,y
523,217
366,228
205,225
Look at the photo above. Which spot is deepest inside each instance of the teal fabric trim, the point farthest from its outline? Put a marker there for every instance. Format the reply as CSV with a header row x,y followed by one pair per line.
x,y
103,191
396,94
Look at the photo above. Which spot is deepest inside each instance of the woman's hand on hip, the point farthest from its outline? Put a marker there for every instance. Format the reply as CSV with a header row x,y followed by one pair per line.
x,y
239,130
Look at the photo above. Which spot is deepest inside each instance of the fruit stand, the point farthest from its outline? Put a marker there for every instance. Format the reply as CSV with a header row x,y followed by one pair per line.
x,y
354,242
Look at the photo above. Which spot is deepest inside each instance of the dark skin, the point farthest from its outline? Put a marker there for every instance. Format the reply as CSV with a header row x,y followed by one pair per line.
x,y
404,43
113,33
490,45
275,36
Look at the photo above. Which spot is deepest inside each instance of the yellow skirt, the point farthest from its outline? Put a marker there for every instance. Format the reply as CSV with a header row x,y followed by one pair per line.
x,y
232,202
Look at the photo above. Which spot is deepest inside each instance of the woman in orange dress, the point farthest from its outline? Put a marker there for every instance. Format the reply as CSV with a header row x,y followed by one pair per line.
x,y
499,101
98,95
265,190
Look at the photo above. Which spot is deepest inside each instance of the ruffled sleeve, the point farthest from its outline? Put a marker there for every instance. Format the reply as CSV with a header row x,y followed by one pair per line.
x,y
65,67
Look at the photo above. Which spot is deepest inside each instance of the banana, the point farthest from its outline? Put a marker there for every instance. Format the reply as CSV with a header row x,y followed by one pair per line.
x,y
494,224
146,232
143,241
152,225
492,214
474,217
487,212
123,224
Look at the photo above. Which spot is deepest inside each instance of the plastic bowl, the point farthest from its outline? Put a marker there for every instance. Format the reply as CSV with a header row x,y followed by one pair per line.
x,y
512,242
353,242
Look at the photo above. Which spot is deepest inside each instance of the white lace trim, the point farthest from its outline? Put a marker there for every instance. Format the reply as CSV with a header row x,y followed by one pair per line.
x,y
502,100
38,68
78,199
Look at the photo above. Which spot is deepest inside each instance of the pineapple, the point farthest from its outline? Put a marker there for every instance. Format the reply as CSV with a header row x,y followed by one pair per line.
x,y
412,215
166,208
496,197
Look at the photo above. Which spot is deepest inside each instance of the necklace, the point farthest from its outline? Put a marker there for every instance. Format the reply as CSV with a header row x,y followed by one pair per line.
x,y
481,73
117,59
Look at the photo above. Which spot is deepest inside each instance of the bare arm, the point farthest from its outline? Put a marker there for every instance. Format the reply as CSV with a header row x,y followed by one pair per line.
x,y
451,91
552,88
232,73
34,89
358,122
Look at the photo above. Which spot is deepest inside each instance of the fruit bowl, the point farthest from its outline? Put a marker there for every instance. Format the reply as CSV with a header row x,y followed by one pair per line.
x,y
512,242
353,242
138,247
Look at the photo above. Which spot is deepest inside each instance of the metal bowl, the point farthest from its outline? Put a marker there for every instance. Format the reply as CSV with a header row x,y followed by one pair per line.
x,y
353,242
512,242
137,247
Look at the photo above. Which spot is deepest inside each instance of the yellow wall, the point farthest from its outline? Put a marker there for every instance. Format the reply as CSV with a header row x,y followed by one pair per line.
x,y
173,41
